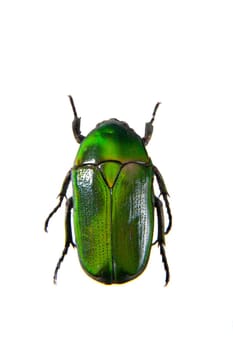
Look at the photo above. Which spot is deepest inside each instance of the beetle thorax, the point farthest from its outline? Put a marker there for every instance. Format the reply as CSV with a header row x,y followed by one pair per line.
x,y
111,140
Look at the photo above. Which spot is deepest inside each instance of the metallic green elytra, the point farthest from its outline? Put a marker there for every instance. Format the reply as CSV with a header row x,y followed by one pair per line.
x,y
113,202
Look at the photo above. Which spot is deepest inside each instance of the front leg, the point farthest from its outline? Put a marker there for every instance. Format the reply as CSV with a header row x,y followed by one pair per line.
x,y
76,123
149,126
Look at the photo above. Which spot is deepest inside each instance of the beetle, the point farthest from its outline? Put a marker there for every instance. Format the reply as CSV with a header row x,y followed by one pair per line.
x,y
113,202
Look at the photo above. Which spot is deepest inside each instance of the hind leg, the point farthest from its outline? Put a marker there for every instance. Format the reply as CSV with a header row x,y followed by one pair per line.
x,y
160,239
68,236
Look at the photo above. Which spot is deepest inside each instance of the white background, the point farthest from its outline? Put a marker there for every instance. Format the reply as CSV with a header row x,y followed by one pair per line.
x,y
117,59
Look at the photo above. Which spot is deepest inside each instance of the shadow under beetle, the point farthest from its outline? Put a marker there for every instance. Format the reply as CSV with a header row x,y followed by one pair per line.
x,y
113,202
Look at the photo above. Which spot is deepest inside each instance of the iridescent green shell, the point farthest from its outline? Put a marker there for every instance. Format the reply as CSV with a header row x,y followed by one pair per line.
x,y
113,203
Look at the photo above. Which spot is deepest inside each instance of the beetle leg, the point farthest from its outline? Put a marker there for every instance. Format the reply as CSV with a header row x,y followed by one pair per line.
x,y
61,196
165,196
160,240
76,123
68,236
149,126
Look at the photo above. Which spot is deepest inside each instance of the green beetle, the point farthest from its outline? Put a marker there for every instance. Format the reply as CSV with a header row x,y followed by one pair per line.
x,y
113,202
